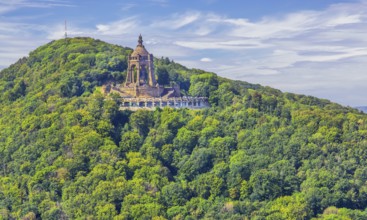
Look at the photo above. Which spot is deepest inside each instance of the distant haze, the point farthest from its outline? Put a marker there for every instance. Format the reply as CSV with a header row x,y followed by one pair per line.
x,y
362,108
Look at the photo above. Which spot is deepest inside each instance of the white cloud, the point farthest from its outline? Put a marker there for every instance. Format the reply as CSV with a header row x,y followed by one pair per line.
x,y
10,5
206,59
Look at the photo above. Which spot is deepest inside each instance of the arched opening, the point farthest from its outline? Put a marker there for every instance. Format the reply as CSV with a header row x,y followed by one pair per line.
x,y
134,72
143,77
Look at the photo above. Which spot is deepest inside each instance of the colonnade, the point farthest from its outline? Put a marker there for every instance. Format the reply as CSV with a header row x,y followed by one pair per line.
x,y
174,102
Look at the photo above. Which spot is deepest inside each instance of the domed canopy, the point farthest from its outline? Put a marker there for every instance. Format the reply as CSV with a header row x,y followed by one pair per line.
x,y
140,49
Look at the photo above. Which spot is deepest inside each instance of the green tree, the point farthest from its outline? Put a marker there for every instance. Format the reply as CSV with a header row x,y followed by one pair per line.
x,y
162,76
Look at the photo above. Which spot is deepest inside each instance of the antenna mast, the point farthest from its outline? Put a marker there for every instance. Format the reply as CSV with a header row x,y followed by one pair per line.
x,y
66,30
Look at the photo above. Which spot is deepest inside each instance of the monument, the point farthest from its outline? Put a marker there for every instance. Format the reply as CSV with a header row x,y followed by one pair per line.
x,y
141,89
140,67
140,78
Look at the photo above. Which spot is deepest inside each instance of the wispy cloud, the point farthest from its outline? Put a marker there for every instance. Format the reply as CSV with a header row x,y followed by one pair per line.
x,y
177,21
11,5
273,49
162,3
128,6
17,35
305,36
16,41
225,44
118,27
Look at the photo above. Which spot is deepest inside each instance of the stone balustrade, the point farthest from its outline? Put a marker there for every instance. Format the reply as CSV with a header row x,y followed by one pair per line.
x,y
173,102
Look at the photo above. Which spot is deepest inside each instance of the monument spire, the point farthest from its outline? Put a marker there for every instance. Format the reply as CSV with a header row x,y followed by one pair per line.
x,y
140,41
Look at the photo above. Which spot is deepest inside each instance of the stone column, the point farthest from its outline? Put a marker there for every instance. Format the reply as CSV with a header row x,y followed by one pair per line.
x,y
128,76
131,71
138,75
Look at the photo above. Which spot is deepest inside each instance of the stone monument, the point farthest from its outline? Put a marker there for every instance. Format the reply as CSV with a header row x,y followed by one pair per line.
x,y
141,89
140,78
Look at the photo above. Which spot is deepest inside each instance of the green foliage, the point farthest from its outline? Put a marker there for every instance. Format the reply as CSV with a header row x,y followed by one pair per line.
x,y
203,85
162,76
69,152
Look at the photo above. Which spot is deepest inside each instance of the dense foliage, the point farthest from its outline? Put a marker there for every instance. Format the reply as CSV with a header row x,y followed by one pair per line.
x,y
68,152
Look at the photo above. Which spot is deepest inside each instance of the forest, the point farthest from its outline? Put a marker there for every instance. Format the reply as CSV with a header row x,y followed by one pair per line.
x,y
69,152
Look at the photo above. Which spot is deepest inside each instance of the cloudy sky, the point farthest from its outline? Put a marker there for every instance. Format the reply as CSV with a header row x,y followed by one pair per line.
x,y
313,47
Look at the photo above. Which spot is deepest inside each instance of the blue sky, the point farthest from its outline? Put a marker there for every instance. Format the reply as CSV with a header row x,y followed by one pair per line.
x,y
314,47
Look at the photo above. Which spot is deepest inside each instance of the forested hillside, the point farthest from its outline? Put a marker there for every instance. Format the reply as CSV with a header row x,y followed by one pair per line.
x,y
68,152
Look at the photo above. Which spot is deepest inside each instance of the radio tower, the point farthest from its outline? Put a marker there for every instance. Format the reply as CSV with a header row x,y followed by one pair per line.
x,y
66,30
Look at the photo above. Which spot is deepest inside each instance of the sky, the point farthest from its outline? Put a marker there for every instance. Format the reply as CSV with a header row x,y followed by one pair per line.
x,y
313,47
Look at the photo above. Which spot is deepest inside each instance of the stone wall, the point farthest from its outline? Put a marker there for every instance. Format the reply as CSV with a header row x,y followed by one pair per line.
x,y
142,91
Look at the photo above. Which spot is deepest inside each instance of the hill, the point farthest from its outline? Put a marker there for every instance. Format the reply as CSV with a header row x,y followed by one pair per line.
x,y
68,152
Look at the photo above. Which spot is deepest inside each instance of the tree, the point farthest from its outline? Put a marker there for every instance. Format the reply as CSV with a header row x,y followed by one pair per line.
x,y
203,84
130,141
200,161
174,195
106,212
289,207
141,120
264,185
162,76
